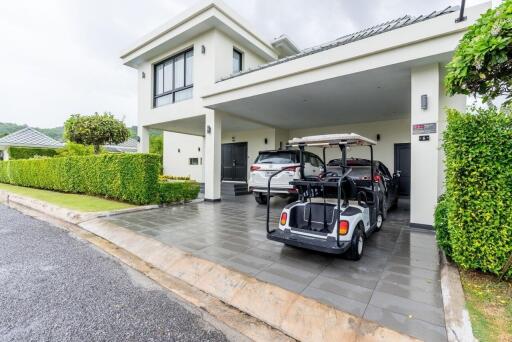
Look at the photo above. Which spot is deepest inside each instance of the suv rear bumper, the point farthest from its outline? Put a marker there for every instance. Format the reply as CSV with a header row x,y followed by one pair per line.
x,y
274,190
328,245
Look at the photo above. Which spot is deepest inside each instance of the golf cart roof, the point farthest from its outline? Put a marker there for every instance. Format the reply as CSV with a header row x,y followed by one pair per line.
x,y
332,140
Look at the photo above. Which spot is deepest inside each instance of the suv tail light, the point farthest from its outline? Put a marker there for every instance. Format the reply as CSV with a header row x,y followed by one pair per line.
x,y
343,227
377,178
292,168
255,168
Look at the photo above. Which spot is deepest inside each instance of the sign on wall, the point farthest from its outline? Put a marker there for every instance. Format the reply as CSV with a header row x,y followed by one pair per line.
x,y
425,128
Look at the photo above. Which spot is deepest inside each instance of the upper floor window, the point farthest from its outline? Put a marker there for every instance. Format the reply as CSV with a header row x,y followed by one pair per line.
x,y
173,79
237,61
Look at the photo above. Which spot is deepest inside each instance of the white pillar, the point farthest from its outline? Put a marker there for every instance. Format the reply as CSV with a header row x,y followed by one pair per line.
x,y
143,133
212,155
6,153
425,80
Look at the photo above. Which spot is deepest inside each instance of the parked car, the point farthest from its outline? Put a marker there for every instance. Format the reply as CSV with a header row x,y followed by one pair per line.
x,y
268,162
388,184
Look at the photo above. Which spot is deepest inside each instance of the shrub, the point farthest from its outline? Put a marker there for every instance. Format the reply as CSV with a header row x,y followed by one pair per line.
x,y
178,191
165,178
441,225
31,152
74,149
127,177
478,149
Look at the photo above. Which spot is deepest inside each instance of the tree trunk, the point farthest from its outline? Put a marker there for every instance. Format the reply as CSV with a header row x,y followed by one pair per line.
x,y
96,149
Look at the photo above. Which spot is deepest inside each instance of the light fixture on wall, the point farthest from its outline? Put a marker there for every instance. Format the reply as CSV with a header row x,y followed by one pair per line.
x,y
143,74
203,49
233,139
137,138
378,137
209,129
424,102
199,149
179,151
266,141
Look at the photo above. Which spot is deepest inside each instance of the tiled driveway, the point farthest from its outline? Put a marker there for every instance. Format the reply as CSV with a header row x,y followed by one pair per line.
x,y
396,283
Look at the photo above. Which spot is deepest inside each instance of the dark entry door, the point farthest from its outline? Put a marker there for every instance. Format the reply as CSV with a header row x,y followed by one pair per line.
x,y
403,164
234,161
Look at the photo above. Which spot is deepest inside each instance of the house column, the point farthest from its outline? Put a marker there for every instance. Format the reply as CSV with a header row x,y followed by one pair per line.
x,y
212,155
6,153
143,145
425,80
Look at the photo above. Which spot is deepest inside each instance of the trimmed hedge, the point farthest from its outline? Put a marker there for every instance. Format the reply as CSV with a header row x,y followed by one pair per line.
x,y
478,149
441,226
176,191
30,152
126,177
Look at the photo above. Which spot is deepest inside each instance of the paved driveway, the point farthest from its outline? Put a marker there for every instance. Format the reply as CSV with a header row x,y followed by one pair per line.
x,y
396,283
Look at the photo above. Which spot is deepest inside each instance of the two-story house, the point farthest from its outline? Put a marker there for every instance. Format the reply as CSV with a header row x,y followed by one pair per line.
x,y
221,93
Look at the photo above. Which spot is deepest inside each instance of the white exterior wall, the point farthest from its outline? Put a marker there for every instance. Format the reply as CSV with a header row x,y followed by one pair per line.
x,y
391,132
178,148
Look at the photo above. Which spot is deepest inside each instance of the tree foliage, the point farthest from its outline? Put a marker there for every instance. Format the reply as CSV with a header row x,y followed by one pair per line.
x,y
482,62
74,149
95,130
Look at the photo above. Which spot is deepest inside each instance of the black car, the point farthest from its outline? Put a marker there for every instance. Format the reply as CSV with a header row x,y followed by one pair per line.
x,y
388,184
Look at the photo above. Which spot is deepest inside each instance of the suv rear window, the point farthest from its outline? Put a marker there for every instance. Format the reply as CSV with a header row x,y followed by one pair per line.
x,y
280,157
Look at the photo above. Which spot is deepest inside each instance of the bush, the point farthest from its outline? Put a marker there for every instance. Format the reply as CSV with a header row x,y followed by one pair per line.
x,y
441,226
74,149
31,152
127,177
178,191
165,178
478,149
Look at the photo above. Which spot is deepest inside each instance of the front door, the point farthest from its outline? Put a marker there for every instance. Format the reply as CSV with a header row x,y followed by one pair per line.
x,y
403,164
234,162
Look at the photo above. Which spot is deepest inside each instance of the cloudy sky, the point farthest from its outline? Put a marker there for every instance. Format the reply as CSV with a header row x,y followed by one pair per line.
x,y
61,57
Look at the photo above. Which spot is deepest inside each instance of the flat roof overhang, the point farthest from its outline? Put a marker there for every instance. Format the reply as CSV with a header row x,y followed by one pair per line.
x,y
367,80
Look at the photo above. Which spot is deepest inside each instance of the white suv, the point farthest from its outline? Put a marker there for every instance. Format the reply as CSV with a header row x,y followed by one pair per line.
x,y
269,162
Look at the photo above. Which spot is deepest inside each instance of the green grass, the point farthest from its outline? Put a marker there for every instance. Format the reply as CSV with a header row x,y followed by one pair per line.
x,y
77,202
489,303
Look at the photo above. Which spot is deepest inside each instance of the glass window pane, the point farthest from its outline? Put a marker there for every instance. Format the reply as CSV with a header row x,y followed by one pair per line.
x,y
164,100
168,76
179,72
183,95
159,86
188,68
237,61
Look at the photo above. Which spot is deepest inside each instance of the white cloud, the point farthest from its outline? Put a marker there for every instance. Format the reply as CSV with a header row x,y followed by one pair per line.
x,y
62,56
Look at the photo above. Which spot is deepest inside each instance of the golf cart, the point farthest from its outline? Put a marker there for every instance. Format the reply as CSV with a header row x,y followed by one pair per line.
x,y
332,215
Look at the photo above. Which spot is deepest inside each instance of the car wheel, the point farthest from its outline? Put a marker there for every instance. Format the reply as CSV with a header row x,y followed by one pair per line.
x,y
379,222
260,198
356,244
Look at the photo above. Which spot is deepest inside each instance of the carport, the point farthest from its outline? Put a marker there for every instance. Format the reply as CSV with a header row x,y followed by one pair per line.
x,y
396,283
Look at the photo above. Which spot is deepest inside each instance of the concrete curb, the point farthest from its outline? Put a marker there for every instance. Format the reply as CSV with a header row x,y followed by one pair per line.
x,y
456,316
297,316
68,215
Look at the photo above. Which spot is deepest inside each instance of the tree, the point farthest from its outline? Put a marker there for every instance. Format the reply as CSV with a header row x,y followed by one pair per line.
x,y
95,130
482,62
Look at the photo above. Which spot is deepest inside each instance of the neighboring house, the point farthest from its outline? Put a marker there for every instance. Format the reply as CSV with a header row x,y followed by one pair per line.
x,y
221,93
26,137
129,146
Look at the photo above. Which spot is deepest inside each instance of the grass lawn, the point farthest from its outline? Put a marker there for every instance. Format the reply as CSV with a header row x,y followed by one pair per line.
x,y
82,203
490,306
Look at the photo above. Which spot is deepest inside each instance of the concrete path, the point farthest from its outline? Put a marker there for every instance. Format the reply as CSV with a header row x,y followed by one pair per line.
x,y
54,287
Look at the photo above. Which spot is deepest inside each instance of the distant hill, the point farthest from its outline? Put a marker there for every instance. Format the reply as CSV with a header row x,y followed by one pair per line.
x,y
57,133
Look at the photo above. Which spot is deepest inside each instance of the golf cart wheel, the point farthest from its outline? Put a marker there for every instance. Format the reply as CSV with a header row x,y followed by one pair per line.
x,y
356,244
380,221
260,198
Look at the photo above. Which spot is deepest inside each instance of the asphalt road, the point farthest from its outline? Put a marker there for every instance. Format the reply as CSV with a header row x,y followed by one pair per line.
x,y
54,287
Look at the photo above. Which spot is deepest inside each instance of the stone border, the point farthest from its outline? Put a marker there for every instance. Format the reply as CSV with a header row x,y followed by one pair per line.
x,y
456,316
294,315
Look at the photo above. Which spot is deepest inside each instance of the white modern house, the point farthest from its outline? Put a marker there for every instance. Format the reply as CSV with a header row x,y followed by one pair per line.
x,y
222,93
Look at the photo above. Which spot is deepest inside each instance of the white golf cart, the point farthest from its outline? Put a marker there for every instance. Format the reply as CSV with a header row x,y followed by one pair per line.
x,y
332,215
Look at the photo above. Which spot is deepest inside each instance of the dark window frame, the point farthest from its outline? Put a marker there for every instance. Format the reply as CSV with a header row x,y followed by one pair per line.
x,y
174,90
240,61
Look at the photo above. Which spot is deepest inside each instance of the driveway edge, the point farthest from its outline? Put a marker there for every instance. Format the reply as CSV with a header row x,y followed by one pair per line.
x,y
458,323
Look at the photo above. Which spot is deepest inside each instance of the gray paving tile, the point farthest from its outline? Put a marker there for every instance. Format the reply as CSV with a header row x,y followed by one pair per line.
x,y
418,295
339,302
407,307
341,288
403,323
423,284
368,280
287,277
248,264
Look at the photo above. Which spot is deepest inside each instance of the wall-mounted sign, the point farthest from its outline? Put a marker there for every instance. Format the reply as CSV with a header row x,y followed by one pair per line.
x,y
425,128
424,137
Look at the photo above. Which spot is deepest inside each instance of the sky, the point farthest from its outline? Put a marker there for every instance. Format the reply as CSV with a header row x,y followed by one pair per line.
x,y
61,57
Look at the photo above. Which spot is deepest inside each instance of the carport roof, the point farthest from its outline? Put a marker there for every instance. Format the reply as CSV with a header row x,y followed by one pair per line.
x,y
406,20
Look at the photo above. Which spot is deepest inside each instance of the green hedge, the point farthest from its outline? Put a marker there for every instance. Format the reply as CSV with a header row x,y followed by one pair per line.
x,y
30,152
178,191
126,177
441,226
478,148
